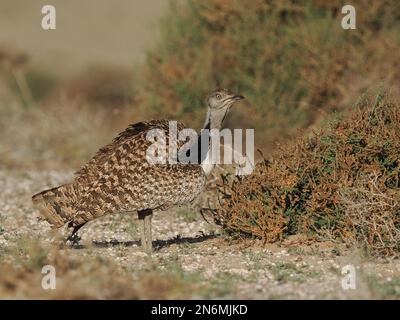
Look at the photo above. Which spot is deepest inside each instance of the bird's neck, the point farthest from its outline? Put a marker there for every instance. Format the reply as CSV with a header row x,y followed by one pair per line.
x,y
204,151
203,142
214,120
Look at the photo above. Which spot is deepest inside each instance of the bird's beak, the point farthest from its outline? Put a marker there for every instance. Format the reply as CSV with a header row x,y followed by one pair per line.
x,y
237,98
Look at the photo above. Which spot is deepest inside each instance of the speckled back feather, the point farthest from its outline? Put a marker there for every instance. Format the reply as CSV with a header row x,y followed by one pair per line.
x,y
120,179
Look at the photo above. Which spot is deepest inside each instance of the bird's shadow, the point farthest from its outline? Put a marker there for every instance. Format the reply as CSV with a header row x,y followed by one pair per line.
x,y
157,244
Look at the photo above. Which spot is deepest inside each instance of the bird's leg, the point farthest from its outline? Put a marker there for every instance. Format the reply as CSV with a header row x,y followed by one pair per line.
x,y
141,217
147,226
145,229
74,238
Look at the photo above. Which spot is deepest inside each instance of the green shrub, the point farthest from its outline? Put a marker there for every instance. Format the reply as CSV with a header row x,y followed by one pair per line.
x,y
291,59
341,183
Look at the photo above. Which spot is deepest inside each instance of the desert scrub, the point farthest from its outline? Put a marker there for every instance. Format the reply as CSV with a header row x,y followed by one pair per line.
x,y
290,59
340,183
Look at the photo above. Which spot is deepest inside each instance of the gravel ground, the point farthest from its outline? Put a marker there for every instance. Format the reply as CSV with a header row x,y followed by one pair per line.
x,y
230,268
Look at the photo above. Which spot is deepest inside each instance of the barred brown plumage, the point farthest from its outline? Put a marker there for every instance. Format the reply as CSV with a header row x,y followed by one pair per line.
x,y
119,178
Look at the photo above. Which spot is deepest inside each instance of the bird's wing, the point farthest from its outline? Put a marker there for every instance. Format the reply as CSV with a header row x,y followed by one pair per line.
x,y
125,139
161,187
119,177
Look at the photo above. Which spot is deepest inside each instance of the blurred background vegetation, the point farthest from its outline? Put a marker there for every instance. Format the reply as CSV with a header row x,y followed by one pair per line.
x,y
291,59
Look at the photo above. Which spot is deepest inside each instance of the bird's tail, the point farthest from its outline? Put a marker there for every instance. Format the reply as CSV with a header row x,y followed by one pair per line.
x,y
53,205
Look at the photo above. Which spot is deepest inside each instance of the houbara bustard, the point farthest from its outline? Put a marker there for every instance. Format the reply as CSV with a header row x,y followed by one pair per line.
x,y
119,178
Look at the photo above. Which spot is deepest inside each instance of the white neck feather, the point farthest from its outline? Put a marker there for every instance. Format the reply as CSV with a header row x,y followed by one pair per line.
x,y
207,164
214,120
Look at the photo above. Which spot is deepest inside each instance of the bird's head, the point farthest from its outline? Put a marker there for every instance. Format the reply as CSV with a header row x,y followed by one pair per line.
x,y
219,103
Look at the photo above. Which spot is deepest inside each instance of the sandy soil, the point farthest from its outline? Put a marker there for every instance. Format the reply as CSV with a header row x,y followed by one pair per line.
x,y
229,268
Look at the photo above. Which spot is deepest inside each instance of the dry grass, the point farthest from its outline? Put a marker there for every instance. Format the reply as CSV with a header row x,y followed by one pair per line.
x,y
341,183
54,136
47,122
94,277
373,214
104,87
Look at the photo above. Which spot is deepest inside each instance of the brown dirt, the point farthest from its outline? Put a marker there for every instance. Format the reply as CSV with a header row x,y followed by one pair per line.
x,y
193,259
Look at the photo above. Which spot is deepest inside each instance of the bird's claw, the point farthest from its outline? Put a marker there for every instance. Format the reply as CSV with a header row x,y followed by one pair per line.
x,y
74,239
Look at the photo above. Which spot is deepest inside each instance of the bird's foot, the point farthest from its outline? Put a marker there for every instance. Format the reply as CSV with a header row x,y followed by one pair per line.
x,y
74,239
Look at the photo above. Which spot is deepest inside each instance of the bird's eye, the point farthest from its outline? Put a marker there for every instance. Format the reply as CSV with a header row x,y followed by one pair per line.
x,y
218,96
